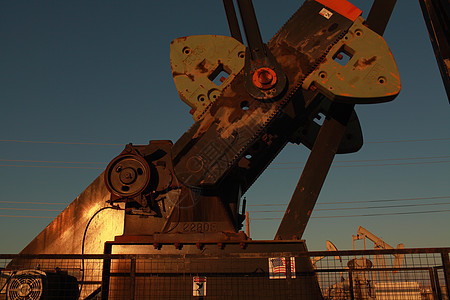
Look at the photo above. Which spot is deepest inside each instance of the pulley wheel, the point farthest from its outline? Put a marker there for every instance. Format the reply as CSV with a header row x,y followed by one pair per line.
x,y
127,175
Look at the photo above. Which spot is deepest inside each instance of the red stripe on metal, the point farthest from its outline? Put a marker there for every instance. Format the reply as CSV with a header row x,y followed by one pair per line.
x,y
342,7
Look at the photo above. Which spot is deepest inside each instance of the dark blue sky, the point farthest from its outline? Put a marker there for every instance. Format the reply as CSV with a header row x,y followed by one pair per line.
x,y
99,72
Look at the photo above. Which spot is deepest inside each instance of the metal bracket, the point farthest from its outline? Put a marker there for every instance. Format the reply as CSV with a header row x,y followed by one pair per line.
x,y
198,63
369,76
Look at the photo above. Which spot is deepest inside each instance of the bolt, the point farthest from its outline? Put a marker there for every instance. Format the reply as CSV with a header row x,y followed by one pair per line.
x,y
127,176
265,77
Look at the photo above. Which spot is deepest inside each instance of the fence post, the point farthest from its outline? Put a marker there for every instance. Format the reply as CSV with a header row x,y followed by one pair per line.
x,y
446,265
434,283
438,284
133,278
247,223
106,272
350,282
435,286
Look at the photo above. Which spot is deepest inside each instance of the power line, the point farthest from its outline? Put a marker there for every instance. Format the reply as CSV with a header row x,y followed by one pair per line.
x,y
36,217
388,200
52,161
275,163
352,208
265,219
39,203
368,160
110,144
320,217
388,214
366,215
62,143
365,201
373,165
278,204
281,168
32,209
409,141
52,167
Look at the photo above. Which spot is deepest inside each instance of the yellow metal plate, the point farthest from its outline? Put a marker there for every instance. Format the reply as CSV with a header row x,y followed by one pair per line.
x,y
199,62
370,75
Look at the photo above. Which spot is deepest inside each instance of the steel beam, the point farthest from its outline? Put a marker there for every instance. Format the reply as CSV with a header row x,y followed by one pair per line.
x,y
437,14
314,173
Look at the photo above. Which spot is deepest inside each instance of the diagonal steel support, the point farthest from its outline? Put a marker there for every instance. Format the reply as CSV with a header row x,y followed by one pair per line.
x,y
437,18
379,15
233,23
251,29
314,173
325,147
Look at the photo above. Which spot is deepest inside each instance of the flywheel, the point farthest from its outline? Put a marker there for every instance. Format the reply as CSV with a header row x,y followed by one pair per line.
x,y
127,175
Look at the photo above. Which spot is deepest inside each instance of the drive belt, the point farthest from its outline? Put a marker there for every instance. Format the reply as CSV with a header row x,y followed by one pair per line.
x,y
204,155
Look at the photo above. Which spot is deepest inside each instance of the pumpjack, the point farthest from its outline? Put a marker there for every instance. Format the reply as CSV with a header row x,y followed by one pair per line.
x,y
270,97
248,102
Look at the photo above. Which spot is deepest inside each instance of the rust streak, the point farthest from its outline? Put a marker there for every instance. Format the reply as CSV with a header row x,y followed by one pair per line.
x,y
204,126
201,67
361,64
190,76
369,61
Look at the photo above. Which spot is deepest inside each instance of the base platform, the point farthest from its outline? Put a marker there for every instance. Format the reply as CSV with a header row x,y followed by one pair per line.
x,y
221,270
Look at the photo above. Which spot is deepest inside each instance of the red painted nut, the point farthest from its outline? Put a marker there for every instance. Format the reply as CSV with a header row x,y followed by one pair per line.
x,y
264,78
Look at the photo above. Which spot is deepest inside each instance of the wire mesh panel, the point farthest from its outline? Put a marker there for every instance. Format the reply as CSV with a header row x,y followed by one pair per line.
x,y
258,269
396,274
56,277
370,274
227,278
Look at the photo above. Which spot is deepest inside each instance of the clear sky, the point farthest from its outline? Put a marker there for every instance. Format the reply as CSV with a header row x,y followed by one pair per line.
x,y
78,74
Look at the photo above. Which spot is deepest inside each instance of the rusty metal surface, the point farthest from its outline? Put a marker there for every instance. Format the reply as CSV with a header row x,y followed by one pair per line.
x,y
65,233
206,152
247,264
197,61
259,60
328,141
369,76
164,205
352,140
350,253
208,249
314,173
